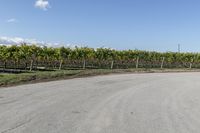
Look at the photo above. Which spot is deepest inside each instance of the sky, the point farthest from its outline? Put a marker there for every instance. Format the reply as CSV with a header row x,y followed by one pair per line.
x,y
158,25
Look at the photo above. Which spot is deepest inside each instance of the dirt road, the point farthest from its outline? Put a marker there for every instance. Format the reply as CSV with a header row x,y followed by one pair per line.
x,y
127,103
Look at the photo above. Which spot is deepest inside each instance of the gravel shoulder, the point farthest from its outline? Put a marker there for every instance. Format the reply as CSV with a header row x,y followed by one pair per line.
x,y
8,79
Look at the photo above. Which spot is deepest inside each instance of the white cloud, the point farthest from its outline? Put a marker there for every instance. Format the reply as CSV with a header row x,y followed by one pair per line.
x,y
9,41
42,4
12,20
18,40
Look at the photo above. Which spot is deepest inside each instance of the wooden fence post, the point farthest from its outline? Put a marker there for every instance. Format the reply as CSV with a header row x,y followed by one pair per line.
x,y
84,64
112,63
163,59
61,62
5,64
31,66
137,63
191,64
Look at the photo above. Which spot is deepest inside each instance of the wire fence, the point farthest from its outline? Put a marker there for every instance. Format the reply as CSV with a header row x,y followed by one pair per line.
x,y
94,64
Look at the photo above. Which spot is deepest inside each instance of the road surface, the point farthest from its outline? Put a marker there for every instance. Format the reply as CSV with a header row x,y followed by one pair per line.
x,y
126,103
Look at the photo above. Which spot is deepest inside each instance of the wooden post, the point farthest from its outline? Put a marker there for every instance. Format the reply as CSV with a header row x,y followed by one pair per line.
x,y
84,64
163,59
191,64
5,64
61,62
137,63
26,66
31,66
112,63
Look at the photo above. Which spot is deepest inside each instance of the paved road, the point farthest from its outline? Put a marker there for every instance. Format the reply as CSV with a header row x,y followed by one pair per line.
x,y
128,103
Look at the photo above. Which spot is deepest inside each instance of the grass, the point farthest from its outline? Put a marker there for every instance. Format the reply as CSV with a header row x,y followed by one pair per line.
x,y
38,76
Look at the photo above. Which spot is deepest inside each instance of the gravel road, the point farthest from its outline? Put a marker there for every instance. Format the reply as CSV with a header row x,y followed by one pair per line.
x,y
126,103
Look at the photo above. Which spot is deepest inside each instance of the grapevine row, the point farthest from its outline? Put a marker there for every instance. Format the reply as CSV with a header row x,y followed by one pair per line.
x,y
33,56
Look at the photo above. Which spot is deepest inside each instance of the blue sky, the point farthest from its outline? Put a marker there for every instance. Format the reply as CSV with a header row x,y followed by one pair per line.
x,y
121,24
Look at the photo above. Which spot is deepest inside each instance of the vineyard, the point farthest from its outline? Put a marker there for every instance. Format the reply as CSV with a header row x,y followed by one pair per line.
x,y
32,57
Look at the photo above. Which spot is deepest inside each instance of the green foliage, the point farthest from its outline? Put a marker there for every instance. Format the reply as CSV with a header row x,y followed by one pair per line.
x,y
26,53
